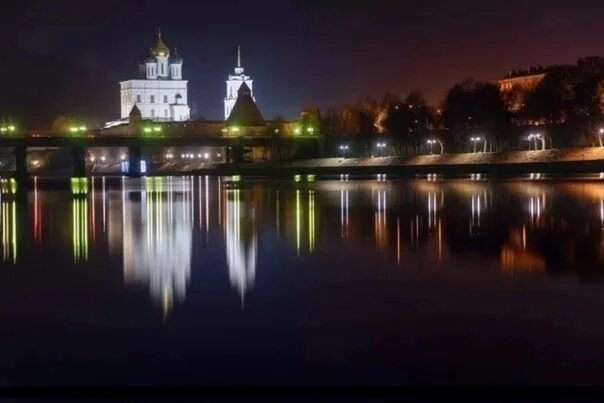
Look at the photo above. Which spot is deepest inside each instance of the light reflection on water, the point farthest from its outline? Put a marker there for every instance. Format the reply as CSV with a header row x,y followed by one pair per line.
x,y
155,225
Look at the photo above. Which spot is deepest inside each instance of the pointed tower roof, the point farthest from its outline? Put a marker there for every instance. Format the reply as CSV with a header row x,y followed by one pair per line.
x,y
135,112
239,69
160,48
245,112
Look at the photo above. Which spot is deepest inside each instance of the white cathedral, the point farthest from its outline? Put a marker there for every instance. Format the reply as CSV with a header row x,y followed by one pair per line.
x,y
233,84
161,93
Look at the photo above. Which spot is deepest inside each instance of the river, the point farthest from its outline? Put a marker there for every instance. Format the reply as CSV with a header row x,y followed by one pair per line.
x,y
202,280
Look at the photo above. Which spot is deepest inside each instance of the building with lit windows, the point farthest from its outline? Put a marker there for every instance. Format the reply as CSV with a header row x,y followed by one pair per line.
x,y
515,86
160,94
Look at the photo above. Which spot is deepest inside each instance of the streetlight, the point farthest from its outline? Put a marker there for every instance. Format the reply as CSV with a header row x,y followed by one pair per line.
x,y
77,129
600,133
474,140
149,129
535,137
540,137
310,130
343,149
431,142
381,146
8,129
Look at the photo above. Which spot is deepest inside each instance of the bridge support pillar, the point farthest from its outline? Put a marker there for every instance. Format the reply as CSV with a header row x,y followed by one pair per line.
x,y
78,161
235,154
134,161
20,154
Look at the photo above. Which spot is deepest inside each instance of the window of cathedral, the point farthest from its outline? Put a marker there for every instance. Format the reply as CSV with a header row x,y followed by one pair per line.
x,y
138,98
166,113
165,99
152,113
152,99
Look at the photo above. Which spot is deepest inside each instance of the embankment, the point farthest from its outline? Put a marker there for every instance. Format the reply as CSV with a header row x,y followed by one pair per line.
x,y
555,161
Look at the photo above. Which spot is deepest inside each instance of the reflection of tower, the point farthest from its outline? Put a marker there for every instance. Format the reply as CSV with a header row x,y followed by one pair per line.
x,y
241,260
158,240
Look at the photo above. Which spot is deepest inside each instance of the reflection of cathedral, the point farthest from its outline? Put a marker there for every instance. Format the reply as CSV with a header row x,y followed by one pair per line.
x,y
241,255
158,242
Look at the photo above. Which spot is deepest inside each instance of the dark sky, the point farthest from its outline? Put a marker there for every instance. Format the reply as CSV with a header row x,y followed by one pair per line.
x,y
67,56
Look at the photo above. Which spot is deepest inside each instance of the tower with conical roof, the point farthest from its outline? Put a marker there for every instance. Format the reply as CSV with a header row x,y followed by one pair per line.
x,y
245,112
161,93
234,83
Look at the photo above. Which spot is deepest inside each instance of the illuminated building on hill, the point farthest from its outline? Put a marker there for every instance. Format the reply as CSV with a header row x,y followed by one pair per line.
x,y
161,93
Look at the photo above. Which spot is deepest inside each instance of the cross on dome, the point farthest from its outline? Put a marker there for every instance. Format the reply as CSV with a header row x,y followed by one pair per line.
x,y
160,48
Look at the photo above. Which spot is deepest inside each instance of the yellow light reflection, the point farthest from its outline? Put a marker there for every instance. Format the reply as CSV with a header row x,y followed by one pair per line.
x,y
311,220
79,219
9,229
381,234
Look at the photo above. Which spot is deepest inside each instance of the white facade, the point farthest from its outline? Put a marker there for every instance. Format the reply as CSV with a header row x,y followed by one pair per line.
x,y
233,84
159,100
161,95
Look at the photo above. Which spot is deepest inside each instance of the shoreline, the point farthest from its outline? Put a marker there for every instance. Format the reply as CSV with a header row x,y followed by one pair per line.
x,y
554,162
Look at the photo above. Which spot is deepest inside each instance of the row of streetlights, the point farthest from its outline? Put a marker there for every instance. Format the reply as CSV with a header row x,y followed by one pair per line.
x,y
534,137
8,129
168,156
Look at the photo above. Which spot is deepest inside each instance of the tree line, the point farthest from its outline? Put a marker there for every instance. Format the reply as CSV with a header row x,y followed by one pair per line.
x,y
566,107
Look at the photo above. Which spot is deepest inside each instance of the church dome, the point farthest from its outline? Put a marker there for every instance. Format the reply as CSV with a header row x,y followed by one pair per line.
x,y
160,48
175,58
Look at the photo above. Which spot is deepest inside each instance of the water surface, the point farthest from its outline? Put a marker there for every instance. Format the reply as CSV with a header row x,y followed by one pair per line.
x,y
202,281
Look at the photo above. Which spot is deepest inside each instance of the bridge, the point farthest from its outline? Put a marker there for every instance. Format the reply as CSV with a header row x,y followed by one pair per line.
x,y
234,145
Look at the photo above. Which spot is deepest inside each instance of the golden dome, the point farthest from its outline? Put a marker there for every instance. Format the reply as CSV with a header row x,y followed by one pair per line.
x,y
160,48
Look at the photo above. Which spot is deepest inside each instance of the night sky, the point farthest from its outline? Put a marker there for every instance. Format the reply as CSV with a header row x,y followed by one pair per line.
x,y
66,57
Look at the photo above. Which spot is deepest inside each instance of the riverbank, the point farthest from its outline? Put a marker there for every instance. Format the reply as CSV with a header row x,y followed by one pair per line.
x,y
555,161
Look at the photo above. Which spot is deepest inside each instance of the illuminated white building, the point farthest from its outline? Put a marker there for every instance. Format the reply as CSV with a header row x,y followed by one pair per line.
x,y
233,84
161,93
